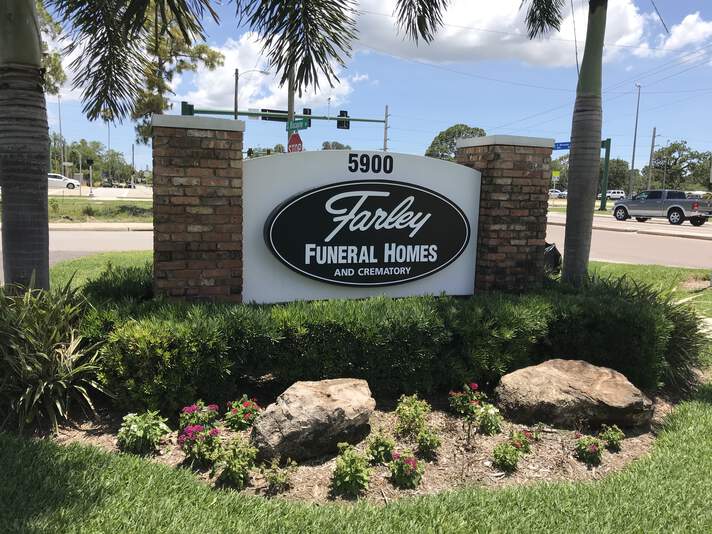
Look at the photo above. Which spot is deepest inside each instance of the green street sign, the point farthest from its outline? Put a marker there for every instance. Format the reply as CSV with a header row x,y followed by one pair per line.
x,y
298,124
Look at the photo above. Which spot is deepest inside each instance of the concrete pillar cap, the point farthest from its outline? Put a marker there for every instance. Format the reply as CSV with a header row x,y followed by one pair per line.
x,y
513,140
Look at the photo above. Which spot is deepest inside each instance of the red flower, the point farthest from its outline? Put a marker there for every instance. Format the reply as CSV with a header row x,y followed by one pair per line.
x,y
474,386
233,411
213,407
246,404
395,456
517,444
528,434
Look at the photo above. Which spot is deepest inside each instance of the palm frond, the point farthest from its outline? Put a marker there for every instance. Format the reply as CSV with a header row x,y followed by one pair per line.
x,y
420,19
312,35
543,16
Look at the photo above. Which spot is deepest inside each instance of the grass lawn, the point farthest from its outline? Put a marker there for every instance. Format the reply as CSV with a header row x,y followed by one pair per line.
x,y
87,210
50,488
89,267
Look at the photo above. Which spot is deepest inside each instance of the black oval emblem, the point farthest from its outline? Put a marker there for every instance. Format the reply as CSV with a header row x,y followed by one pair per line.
x,y
367,233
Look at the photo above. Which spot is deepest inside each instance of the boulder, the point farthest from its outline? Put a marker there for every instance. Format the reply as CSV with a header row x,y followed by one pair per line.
x,y
310,418
569,392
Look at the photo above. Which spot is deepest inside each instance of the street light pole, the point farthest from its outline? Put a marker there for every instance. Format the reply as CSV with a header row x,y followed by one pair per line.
x,y
635,140
290,101
237,82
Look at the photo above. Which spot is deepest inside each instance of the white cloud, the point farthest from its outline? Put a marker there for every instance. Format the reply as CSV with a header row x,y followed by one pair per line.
x,y
215,89
475,31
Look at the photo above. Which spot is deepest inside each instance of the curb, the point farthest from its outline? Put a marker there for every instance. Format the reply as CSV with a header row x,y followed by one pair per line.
x,y
101,229
642,232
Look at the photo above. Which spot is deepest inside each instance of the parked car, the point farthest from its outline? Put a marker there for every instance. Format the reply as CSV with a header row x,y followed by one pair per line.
x,y
58,181
564,194
666,203
613,194
554,193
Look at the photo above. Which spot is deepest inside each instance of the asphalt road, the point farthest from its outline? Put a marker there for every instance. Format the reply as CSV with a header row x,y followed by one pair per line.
x,y
66,245
625,245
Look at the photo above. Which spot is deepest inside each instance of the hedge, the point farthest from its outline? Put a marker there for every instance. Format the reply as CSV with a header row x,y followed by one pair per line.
x,y
160,355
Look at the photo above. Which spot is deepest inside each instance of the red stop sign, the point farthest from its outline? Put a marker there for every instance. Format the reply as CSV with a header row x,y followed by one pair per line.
x,y
295,143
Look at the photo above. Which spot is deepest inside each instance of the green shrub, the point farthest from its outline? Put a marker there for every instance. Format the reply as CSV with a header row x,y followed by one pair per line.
x,y
241,414
612,436
506,457
121,283
201,444
163,355
428,443
379,448
47,369
488,419
141,433
279,477
521,441
351,475
589,450
235,463
412,414
461,402
406,470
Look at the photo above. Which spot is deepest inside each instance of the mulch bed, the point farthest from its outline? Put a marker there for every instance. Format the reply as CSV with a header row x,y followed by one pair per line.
x,y
457,464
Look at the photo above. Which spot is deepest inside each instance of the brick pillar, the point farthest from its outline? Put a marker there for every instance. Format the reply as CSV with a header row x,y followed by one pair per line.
x,y
197,200
512,224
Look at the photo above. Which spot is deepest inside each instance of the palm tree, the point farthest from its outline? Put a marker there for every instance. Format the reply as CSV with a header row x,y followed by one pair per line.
x,y
421,18
24,146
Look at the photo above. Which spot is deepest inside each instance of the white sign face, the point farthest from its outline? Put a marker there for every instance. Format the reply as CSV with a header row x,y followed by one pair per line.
x,y
352,224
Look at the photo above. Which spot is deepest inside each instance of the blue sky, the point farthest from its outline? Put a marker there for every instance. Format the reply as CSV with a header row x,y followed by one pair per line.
x,y
481,70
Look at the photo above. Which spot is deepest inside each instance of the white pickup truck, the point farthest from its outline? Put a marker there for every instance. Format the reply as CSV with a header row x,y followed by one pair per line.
x,y
665,203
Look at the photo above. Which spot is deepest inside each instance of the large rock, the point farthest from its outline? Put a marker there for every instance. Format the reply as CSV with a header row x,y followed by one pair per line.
x,y
310,418
569,392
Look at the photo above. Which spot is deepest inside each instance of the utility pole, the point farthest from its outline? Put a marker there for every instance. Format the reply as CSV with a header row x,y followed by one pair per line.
x,y
237,80
635,140
665,173
290,100
61,137
133,166
650,162
385,131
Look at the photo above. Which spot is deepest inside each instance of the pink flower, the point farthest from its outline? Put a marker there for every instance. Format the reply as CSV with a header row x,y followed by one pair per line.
x,y
593,448
474,386
528,434
190,409
412,462
213,407
395,456
215,432
578,435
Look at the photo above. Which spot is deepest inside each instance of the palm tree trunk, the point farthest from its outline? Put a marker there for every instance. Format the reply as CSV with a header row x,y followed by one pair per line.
x,y
584,161
24,147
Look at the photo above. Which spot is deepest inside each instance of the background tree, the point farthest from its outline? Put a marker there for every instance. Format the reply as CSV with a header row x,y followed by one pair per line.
x,y
618,173
172,53
278,148
51,31
334,145
443,145
561,164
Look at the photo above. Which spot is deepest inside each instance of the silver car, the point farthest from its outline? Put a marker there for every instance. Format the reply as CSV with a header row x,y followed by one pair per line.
x,y
671,205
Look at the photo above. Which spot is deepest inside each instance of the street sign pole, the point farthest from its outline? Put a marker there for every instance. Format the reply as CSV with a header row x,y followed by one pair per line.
x,y
604,181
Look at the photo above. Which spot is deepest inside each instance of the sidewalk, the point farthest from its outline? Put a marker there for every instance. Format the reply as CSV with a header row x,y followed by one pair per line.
x,y
100,227
652,227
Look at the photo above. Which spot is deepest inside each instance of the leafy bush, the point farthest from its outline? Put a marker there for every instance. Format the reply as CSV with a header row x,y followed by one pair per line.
x,y
612,436
589,450
241,414
141,433
506,457
162,355
462,401
379,448
521,441
47,368
488,419
201,444
121,283
279,477
406,470
235,463
199,414
351,474
428,443
411,413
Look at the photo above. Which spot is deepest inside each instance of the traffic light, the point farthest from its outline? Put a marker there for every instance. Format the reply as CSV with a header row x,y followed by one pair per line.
x,y
250,153
307,111
343,124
